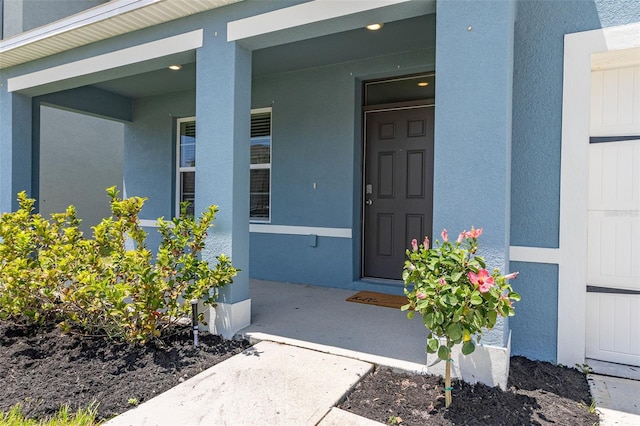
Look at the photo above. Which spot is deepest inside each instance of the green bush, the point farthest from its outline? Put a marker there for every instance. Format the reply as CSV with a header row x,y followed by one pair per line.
x,y
50,272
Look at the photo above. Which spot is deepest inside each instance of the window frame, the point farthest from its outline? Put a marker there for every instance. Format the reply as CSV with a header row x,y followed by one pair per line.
x,y
180,169
263,166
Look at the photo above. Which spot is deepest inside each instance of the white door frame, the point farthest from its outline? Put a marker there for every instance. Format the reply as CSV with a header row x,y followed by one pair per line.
x,y
582,52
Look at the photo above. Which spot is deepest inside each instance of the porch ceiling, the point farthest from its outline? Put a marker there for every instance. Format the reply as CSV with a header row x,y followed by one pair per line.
x,y
403,35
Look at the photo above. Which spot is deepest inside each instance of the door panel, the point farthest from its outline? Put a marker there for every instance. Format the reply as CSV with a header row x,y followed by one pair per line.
x,y
398,187
613,254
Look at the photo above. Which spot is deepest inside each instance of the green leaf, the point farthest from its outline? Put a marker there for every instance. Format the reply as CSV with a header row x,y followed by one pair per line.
x,y
492,316
443,352
476,298
468,347
454,331
428,320
432,345
514,296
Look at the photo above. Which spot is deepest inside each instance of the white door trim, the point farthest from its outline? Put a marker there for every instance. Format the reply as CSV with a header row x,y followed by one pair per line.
x,y
582,53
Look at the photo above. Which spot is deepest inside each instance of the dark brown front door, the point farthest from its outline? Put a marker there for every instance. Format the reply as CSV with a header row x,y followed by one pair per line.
x,y
398,187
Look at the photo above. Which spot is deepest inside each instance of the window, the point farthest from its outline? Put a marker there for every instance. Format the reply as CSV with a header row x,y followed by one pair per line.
x,y
186,159
260,186
260,173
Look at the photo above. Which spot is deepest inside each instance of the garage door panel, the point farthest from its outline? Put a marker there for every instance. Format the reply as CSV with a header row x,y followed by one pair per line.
x,y
614,250
615,318
615,106
613,253
614,175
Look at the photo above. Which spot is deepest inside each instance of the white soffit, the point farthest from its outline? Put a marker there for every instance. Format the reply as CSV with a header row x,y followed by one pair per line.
x,y
99,23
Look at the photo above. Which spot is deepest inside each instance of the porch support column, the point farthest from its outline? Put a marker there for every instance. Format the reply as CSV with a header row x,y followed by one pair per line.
x,y
15,148
223,108
474,69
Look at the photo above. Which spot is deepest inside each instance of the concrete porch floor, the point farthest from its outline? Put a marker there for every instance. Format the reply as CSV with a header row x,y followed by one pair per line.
x,y
319,318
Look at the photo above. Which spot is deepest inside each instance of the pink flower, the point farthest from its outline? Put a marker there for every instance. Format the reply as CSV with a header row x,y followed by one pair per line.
x,y
421,296
511,276
461,237
445,235
509,301
474,233
482,279
425,243
443,281
414,244
412,267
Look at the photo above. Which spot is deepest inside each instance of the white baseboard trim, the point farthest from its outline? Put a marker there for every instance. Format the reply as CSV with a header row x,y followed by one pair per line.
x,y
300,230
226,319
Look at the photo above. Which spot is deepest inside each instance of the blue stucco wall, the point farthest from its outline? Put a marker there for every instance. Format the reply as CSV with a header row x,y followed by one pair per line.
x,y
92,148
536,145
534,327
317,139
537,110
473,128
15,148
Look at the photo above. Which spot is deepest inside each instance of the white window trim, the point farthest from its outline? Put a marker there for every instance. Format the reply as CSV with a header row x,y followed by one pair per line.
x,y
581,54
179,170
265,166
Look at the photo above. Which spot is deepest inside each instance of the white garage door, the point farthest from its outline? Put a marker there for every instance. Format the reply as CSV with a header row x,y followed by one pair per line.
x,y
613,274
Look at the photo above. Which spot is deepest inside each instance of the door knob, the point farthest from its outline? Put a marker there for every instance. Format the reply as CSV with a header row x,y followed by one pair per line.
x,y
368,202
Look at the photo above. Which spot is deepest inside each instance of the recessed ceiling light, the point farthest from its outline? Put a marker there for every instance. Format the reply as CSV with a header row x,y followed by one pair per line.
x,y
175,67
423,83
374,27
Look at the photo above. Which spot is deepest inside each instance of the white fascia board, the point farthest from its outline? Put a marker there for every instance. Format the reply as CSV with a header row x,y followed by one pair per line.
x,y
82,19
302,14
140,53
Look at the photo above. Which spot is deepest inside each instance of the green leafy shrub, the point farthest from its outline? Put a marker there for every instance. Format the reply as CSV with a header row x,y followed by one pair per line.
x,y
454,293
37,256
111,284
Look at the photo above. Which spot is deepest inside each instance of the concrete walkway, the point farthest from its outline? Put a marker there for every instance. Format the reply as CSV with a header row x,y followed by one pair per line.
x,y
268,384
616,390
311,347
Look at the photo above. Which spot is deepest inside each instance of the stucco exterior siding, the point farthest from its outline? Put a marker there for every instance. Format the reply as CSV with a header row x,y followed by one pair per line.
x,y
537,110
534,328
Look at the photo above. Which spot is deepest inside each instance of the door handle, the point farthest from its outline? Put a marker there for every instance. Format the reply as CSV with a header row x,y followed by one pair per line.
x,y
368,202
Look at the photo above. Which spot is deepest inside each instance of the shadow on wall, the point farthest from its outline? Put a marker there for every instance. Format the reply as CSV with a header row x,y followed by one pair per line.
x,y
80,156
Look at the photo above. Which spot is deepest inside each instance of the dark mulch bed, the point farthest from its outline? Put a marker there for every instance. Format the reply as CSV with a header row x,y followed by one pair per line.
x,y
43,370
538,393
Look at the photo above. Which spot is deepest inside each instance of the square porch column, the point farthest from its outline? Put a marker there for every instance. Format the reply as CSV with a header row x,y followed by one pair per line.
x,y
474,71
15,148
223,111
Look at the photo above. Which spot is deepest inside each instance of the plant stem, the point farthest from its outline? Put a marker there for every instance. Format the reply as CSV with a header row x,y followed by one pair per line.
x,y
447,384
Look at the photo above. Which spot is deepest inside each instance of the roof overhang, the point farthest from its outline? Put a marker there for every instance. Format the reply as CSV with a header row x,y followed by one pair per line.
x,y
317,18
99,23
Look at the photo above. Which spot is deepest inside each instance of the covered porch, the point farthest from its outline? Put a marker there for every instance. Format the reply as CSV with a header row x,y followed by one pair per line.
x,y
307,62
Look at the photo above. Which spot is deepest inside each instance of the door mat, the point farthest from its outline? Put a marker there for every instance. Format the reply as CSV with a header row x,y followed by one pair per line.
x,y
378,299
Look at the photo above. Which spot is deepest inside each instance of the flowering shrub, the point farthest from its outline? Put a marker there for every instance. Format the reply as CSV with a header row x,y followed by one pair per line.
x,y
456,295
